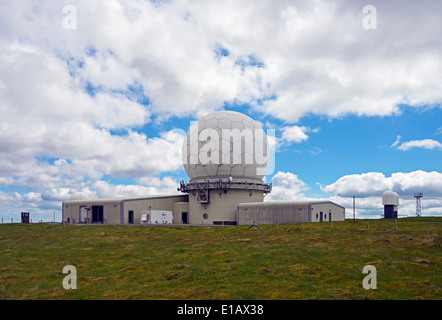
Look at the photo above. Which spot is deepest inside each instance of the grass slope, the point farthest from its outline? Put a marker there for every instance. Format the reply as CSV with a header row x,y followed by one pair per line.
x,y
313,261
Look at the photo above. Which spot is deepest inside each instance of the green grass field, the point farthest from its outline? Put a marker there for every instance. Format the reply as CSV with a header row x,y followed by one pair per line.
x,y
291,261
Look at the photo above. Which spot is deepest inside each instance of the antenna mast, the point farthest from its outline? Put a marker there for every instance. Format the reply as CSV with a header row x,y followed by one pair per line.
x,y
418,197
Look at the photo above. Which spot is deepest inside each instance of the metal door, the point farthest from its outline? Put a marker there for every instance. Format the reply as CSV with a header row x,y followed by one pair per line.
x,y
83,214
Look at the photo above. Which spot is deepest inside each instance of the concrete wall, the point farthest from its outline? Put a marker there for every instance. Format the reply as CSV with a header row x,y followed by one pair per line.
x,y
222,205
273,212
178,209
327,208
111,209
155,203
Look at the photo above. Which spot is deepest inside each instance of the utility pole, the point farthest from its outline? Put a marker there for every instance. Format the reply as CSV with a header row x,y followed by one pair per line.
x,y
354,215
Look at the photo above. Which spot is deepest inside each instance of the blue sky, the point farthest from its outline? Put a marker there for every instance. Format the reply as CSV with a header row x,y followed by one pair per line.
x,y
352,144
97,97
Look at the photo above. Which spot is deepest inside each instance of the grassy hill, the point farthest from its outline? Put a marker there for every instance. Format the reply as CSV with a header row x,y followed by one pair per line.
x,y
291,261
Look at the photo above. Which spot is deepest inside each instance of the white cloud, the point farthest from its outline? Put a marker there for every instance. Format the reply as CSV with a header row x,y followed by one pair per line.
x,y
375,183
362,185
371,207
310,57
368,202
287,186
425,144
398,140
148,186
315,151
294,134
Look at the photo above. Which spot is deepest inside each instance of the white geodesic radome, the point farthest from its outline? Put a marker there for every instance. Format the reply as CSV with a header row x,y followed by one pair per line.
x,y
390,198
237,141
79,196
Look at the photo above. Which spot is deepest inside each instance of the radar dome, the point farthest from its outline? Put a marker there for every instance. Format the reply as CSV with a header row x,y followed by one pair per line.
x,y
226,144
79,196
390,198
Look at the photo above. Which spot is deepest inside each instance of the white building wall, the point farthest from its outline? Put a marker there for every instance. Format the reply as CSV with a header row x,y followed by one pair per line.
x,y
328,210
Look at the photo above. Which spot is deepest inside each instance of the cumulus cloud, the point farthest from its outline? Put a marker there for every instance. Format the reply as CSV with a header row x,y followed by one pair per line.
x,y
294,134
375,183
148,186
371,207
304,57
361,185
425,144
287,186
94,155
367,189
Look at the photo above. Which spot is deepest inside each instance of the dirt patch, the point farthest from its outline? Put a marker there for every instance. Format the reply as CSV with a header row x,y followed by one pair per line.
x,y
430,241
424,261
267,271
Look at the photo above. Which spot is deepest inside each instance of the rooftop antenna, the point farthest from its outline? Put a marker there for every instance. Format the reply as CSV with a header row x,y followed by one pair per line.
x,y
418,197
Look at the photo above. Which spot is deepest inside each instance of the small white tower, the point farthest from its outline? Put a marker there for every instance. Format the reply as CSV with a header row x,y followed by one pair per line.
x,y
390,201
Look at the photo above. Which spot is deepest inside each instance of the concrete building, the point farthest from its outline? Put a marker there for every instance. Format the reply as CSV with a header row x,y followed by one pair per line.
x,y
225,155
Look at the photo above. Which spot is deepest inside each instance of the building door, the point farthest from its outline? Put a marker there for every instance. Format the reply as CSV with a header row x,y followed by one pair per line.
x,y
329,216
321,218
130,218
184,217
97,214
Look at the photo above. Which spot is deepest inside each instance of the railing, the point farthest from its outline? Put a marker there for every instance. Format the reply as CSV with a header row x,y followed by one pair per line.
x,y
202,188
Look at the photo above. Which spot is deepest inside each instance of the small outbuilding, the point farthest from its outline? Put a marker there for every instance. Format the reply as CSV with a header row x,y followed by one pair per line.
x,y
25,217
390,201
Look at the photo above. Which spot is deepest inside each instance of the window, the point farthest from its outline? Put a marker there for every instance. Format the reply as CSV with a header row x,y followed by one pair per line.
x,y
205,216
